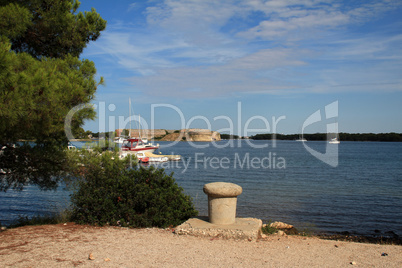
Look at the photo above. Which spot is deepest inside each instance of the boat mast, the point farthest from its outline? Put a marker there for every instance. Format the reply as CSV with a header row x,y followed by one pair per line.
x,y
129,112
139,126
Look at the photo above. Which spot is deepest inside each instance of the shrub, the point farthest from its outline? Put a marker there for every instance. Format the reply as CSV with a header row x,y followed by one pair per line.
x,y
109,193
267,229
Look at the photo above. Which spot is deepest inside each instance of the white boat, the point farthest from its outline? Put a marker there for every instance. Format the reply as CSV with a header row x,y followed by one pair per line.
x,y
158,159
301,139
334,141
143,157
137,145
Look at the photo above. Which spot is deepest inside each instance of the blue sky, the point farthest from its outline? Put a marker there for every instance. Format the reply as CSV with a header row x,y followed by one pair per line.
x,y
274,59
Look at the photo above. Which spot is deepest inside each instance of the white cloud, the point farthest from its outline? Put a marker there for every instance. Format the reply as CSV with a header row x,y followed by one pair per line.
x,y
253,73
185,51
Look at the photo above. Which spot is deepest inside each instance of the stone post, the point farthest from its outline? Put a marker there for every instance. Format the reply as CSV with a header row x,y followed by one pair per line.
x,y
222,201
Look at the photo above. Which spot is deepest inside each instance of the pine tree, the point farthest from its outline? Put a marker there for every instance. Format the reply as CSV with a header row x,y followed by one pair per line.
x,y
41,80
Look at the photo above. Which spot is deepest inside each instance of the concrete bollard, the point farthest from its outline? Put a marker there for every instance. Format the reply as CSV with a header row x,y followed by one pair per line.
x,y
222,201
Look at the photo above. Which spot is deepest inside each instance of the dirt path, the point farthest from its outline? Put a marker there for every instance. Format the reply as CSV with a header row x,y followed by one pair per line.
x,y
70,245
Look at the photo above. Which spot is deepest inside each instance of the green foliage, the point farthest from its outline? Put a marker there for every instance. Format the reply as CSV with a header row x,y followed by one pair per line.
x,y
267,229
37,95
41,80
49,28
55,218
229,137
102,145
105,135
109,193
125,132
26,163
14,20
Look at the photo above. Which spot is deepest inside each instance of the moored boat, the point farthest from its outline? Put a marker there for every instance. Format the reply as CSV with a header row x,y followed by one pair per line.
x,y
334,141
137,145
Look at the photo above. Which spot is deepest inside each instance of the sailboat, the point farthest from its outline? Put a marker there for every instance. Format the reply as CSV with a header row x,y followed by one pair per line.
x,y
301,138
120,139
144,140
334,141
135,145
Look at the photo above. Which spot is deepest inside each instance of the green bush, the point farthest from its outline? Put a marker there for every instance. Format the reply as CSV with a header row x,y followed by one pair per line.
x,y
109,193
267,229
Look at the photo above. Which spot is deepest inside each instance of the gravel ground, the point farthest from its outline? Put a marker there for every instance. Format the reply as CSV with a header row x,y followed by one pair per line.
x,y
69,245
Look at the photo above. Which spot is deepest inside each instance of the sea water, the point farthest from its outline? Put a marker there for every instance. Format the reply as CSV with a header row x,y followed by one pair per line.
x,y
281,181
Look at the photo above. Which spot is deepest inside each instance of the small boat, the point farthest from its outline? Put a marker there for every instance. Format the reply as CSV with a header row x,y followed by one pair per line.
x,y
158,159
142,158
334,141
137,145
146,157
301,139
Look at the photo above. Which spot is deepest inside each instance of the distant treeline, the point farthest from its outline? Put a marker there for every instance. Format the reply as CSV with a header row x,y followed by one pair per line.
x,y
229,137
342,136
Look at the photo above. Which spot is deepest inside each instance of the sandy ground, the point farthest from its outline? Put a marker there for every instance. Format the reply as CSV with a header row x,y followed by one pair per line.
x,y
70,245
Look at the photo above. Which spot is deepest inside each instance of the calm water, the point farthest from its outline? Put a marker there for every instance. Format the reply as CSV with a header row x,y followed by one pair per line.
x,y
281,182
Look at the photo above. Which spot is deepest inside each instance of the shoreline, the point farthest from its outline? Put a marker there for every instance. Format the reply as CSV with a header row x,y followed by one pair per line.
x,y
378,237
379,240
391,239
69,245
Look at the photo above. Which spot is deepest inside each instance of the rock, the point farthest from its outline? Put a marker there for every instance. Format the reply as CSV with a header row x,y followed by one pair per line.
x,y
91,257
281,225
353,263
292,231
281,233
3,228
242,229
107,259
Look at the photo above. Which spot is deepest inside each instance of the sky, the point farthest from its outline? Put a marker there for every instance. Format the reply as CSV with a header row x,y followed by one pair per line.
x,y
251,66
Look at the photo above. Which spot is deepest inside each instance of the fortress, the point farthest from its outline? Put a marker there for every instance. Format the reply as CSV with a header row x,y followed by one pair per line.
x,y
193,134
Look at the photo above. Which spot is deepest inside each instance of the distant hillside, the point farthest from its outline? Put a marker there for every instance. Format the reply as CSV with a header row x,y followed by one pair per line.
x,y
174,135
192,135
